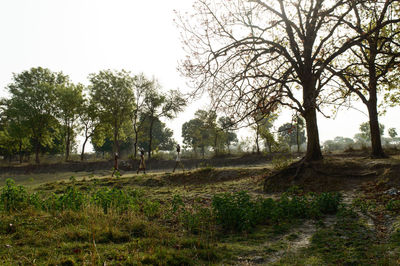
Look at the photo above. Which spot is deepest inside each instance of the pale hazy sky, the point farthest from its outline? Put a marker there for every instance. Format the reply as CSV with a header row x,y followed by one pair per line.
x,y
80,37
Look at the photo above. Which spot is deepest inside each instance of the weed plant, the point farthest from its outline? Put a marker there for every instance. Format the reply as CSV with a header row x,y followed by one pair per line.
x,y
238,212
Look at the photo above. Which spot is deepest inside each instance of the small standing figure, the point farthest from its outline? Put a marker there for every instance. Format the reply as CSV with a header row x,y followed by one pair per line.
x,y
142,165
116,157
178,159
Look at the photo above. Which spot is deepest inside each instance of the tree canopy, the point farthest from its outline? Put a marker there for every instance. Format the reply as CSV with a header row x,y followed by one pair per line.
x,y
253,56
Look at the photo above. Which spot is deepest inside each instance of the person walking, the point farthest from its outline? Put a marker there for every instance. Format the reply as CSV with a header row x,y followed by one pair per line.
x,y
142,164
178,159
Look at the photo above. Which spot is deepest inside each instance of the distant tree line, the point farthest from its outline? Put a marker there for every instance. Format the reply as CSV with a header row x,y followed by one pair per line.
x,y
117,111
361,139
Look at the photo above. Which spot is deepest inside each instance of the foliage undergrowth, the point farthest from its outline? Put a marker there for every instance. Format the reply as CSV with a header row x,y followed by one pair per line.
x,y
97,225
238,212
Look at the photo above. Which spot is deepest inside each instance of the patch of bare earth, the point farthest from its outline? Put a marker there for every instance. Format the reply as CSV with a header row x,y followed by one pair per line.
x,y
334,173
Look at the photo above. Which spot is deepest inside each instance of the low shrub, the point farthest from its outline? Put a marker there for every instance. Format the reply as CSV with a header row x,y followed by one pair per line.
x,y
238,212
117,199
393,205
13,197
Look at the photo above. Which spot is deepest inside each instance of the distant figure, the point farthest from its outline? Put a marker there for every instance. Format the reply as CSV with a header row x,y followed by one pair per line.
x,y
116,157
142,165
178,159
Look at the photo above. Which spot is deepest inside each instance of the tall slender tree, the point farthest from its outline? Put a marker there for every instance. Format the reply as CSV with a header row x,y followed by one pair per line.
x,y
89,122
371,62
69,102
159,105
141,87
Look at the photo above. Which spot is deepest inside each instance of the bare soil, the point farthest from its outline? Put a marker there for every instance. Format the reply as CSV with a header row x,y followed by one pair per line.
x,y
131,165
334,173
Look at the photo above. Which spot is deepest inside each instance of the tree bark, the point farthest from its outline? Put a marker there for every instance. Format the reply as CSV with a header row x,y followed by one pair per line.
x,y
116,143
83,148
376,144
135,148
37,151
297,135
67,146
313,147
20,151
216,142
257,137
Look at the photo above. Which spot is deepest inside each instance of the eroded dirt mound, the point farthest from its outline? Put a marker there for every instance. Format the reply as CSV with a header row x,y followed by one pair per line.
x,y
332,174
211,175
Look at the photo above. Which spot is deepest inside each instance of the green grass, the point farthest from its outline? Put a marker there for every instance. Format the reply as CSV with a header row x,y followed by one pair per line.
x,y
169,220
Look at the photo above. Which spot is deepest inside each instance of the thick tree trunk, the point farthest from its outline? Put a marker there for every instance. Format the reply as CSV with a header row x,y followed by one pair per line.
x,y
297,136
257,137
37,151
313,147
67,146
116,142
83,148
376,144
20,152
135,147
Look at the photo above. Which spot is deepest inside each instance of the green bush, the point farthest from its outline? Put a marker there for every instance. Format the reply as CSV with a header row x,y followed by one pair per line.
x,y
13,197
72,199
238,212
328,203
151,208
235,212
197,220
393,205
115,198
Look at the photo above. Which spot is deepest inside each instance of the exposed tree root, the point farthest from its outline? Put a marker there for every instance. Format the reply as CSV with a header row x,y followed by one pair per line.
x,y
332,173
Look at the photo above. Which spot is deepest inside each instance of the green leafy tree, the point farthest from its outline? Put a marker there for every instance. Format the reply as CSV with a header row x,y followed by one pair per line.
x,y
69,105
158,105
141,87
211,130
33,99
112,94
203,131
264,126
89,122
229,137
15,134
293,133
161,135
8,144
195,135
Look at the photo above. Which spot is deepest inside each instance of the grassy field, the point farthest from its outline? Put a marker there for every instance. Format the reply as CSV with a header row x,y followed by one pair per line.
x,y
201,217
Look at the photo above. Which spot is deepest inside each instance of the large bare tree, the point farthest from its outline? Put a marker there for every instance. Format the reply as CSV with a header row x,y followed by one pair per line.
x,y
252,56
